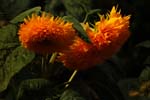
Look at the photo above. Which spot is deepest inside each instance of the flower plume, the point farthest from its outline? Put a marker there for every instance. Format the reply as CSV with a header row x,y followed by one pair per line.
x,y
107,37
46,34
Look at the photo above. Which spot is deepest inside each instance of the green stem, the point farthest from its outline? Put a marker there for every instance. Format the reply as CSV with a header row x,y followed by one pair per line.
x,y
43,64
52,59
71,78
85,19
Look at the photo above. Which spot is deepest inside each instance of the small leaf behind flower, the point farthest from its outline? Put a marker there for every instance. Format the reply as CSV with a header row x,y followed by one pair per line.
x,y
31,84
21,16
78,27
71,95
145,44
145,74
93,11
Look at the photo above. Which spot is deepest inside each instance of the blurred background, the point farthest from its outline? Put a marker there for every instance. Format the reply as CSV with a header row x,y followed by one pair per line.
x,y
125,76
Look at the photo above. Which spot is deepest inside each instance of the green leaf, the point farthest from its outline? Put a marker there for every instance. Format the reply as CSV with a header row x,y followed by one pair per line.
x,y
70,94
8,45
90,13
93,11
76,24
103,83
31,84
21,16
147,61
145,44
8,36
145,75
52,5
11,8
77,8
15,61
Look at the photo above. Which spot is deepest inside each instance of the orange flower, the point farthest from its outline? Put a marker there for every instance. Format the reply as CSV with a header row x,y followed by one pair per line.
x,y
107,37
46,34
81,56
111,32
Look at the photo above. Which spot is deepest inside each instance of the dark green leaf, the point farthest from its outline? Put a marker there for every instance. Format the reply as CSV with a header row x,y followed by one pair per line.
x,y
8,45
145,75
15,61
31,84
70,94
145,44
48,99
77,8
55,7
147,61
21,16
90,13
103,83
8,41
93,11
10,8
8,36
76,24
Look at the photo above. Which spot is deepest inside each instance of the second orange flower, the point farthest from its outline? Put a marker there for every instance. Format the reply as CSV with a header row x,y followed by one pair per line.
x,y
107,37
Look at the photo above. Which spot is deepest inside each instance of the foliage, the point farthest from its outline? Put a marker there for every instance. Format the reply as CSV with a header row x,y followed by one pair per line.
x,y
78,27
70,94
20,17
125,76
77,8
14,7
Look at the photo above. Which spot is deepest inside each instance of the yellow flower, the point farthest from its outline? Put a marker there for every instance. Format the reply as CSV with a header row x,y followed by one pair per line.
x,y
46,34
107,37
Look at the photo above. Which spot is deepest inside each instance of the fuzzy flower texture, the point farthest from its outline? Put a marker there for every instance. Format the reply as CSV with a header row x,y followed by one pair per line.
x,y
45,34
107,37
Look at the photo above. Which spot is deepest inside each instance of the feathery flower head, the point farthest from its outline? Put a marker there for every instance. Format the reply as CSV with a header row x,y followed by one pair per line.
x,y
46,34
107,37
114,29
81,56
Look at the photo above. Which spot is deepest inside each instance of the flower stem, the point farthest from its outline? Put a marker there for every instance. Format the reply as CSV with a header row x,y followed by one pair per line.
x,y
52,59
71,78
43,65
85,19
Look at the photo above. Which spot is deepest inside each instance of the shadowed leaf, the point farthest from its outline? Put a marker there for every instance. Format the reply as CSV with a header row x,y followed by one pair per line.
x,y
8,36
71,95
93,11
77,8
21,16
10,8
15,61
145,75
31,84
78,27
145,44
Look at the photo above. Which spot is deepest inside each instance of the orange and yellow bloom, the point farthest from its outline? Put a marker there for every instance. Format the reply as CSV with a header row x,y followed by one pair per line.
x,y
46,34
107,37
